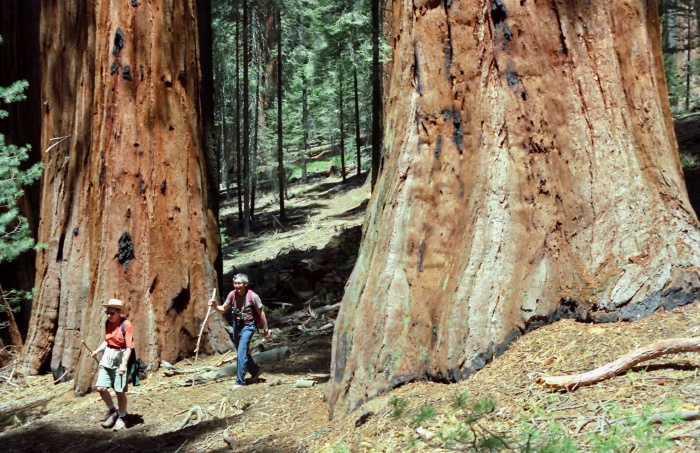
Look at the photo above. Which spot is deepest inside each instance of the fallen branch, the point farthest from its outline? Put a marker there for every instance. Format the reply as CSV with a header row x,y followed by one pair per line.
x,y
223,360
196,410
622,364
59,379
301,315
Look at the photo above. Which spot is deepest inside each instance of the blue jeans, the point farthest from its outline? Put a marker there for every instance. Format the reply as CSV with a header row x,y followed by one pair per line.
x,y
242,334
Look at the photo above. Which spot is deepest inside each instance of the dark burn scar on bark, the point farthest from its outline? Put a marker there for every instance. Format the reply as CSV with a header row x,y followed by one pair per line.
x,y
75,231
181,301
142,186
416,70
498,12
113,68
163,186
126,73
61,243
126,250
438,146
153,284
448,55
128,213
512,77
182,76
118,41
458,134
134,3
421,253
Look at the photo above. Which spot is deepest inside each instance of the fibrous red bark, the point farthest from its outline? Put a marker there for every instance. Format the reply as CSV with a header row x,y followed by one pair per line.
x,y
124,196
531,173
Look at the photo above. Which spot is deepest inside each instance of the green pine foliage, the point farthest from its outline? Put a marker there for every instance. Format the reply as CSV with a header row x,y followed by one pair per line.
x,y
15,235
321,41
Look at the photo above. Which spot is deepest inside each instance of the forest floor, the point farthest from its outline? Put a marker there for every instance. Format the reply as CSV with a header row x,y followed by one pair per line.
x,y
306,265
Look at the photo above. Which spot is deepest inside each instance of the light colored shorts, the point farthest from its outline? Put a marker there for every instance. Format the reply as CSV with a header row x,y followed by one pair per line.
x,y
109,377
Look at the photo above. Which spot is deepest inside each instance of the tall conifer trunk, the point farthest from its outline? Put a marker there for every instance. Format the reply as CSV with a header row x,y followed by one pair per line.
x,y
531,173
124,195
246,123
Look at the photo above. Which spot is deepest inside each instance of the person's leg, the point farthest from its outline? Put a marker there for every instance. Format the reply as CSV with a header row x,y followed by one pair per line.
x,y
121,384
241,353
104,382
252,367
244,359
121,400
106,397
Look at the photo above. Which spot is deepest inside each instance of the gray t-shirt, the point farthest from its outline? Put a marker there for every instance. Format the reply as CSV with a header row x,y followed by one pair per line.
x,y
242,304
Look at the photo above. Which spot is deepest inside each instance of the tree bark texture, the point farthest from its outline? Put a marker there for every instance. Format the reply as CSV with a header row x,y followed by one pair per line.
x,y
124,198
531,174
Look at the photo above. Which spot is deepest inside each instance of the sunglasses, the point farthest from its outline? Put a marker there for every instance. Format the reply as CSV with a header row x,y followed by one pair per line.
x,y
110,312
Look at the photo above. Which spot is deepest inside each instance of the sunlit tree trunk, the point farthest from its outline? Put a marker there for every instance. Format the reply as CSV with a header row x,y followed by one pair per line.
x,y
280,152
124,193
357,120
246,122
377,103
531,174
239,164
341,123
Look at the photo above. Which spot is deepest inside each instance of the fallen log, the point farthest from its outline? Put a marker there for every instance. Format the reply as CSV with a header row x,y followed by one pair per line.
x,y
273,355
622,364
302,315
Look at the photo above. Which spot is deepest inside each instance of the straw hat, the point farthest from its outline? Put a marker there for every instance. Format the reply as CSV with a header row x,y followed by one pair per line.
x,y
116,303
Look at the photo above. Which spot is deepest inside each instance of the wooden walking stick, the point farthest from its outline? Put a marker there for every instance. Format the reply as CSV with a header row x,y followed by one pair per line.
x,y
196,350
90,351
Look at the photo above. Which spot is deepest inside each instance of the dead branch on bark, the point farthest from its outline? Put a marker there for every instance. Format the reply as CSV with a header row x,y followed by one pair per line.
x,y
15,335
652,351
302,315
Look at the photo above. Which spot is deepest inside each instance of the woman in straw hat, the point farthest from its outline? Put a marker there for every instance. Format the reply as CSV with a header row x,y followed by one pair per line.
x,y
118,346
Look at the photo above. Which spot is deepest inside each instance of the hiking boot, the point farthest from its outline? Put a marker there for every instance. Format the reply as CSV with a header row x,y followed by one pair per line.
x,y
254,377
236,386
107,414
110,420
119,424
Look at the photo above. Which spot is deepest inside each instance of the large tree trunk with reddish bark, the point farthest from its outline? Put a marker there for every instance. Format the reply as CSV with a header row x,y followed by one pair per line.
x,y
531,174
124,195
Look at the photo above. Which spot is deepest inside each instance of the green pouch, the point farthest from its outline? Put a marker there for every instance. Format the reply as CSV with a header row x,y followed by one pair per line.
x,y
117,360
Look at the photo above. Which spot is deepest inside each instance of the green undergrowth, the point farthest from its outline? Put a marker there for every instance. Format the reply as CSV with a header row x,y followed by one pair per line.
x,y
472,425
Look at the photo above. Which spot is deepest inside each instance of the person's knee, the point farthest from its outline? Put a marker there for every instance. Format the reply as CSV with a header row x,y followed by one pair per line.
x,y
101,389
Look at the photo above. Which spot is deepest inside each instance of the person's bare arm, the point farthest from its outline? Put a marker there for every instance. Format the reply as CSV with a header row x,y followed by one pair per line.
x,y
220,308
263,318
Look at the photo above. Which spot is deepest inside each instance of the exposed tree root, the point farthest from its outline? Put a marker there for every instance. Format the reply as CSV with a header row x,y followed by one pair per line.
x,y
622,364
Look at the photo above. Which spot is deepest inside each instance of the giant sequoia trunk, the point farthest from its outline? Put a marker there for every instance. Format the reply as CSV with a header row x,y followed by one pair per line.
x,y
124,195
531,173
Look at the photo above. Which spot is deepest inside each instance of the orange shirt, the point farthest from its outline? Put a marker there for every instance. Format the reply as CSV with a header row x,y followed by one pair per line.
x,y
114,337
